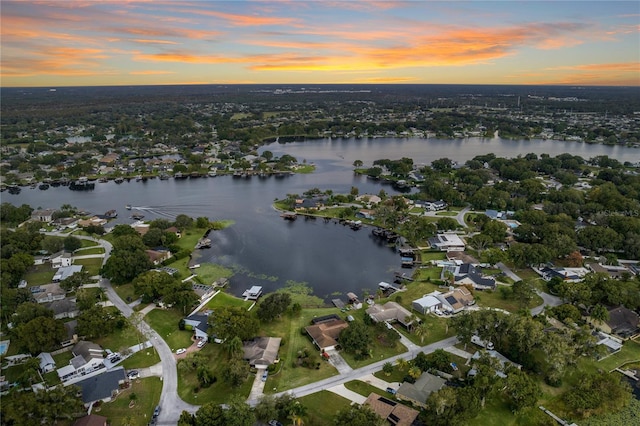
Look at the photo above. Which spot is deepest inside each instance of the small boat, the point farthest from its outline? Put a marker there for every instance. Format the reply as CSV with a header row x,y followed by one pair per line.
x,y
118,180
44,186
138,178
128,206
137,216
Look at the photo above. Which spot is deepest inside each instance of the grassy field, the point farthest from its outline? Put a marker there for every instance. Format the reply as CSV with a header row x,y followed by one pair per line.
x,y
165,322
365,389
89,243
630,353
447,214
119,413
89,250
396,375
224,299
119,339
322,406
39,274
219,392
432,255
126,292
92,266
142,359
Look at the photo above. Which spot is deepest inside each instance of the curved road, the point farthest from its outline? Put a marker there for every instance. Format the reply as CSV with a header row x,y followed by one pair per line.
x,y
171,405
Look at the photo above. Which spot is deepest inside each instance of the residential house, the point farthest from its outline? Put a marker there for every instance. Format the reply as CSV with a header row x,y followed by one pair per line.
x,y
366,214
65,272
47,363
66,222
92,221
174,230
109,159
567,274
456,300
395,413
200,325
261,351
611,270
61,258
390,312
88,357
427,303
418,392
325,331
622,322
369,199
309,204
140,227
468,273
102,387
446,242
158,256
45,215
434,206
47,293
64,308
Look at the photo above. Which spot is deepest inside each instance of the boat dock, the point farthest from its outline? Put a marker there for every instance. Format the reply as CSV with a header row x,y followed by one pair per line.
x,y
388,288
402,276
253,293
203,243
338,303
289,216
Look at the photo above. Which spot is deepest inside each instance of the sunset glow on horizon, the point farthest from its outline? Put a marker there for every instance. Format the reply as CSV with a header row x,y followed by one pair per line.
x,y
102,43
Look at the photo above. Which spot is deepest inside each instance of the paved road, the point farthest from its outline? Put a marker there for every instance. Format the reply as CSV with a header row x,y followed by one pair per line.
x,y
171,405
460,216
365,371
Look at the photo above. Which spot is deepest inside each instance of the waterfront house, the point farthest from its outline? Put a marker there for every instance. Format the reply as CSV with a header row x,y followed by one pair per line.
x,y
446,242
469,274
261,351
456,300
390,312
622,322
200,325
427,303
324,331
158,256
92,221
45,215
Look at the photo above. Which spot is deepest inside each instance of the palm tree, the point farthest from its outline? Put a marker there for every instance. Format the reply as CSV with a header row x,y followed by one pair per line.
x,y
296,411
422,331
415,372
402,364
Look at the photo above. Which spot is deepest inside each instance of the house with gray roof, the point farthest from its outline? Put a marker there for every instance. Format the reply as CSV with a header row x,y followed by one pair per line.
x,y
47,363
261,351
390,312
418,392
64,308
102,387
65,272
468,273
88,358
200,325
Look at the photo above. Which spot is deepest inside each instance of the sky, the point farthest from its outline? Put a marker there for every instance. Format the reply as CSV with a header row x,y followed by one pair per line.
x,y
103,43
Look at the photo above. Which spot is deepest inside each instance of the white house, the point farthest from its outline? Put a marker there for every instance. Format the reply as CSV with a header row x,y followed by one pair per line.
x,y
446,242
48,293
47,363
65,272
61,259
427,303
88,358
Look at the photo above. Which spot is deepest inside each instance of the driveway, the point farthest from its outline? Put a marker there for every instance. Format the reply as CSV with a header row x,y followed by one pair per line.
x,y
379,383
257,388
349,394
338,362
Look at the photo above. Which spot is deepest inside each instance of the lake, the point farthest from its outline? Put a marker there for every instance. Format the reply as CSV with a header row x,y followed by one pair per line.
x,y
266,250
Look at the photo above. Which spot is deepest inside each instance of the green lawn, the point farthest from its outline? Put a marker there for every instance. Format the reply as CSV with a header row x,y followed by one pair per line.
x,y
89,243
225,299
89,250
437,330
365,389
493,299
629,353
289,374
165,322
432,255
126,292
92,266
219,392
447,214
119,339
396,375
144,358
322,406
147,394
39,274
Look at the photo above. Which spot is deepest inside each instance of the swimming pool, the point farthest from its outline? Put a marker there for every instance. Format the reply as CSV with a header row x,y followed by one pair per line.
x,y
4,346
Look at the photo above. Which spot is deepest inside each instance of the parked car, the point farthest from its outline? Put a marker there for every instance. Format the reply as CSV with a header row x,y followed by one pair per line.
x,y
156,412
180,351
201,343
392,391
265,375
274,423
133,374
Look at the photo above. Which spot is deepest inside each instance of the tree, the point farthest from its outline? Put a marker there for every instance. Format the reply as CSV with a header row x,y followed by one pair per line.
x,y
447,224
358,415
265,409
124,265
521,390
41,334
357,163
52,244
183,221
422,331
597,393
72,243
599,313
236,372
402,364
415,372
523,292
74,281
274,305
233,348
43,407
230,321
387,368
356,339
98,321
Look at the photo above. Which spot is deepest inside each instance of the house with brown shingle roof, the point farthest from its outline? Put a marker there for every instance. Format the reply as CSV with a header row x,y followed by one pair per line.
x,y
395,413
261,351
390,312
325,333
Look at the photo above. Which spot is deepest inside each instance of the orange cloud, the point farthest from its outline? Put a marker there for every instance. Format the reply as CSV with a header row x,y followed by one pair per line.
x,y
185,57
150,41
249,20
620,66
389,79
151,72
